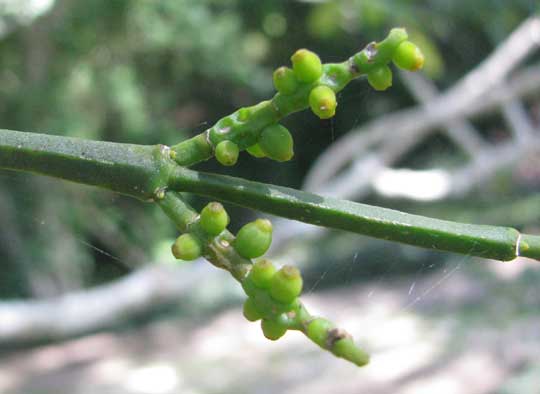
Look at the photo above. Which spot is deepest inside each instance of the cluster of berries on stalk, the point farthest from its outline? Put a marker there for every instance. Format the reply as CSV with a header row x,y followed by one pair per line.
x,y
272,293
307,75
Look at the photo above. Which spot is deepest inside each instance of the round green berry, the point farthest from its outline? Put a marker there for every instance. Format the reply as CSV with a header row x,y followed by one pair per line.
x,y
187,247
408,56
322,101
214,218
307,66
276,142
345,348
254,239
273,329
255,151
285,80
317,331
286,284
250,310
249,287
261,273
380,78
227,153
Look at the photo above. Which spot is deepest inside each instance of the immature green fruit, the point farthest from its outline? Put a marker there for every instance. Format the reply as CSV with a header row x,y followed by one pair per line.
x,y
250,310
286,284
345,348
380,78
214,219
261,273
307,66
255,151
227,153
249,287
273,329
317,331
277,143
285,80
187,247
322,101
254,239
408,56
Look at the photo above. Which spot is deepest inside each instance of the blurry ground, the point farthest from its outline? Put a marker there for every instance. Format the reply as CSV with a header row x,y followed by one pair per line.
x,y
472,328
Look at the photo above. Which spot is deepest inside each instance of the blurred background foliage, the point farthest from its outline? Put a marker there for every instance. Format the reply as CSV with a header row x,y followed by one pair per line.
x,y
160,71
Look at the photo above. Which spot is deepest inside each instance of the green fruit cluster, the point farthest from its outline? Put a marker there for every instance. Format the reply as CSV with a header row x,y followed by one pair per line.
x,y
271,295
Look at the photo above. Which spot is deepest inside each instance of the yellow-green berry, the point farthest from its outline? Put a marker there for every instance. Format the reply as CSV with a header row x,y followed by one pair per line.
x,y
255,151
273,329
254,239
250,310
322,101
307,66
276,142
345,348
286,284
227,153
261,273
214,219
187,247
317,331
249,287
408,56
285,80
380,78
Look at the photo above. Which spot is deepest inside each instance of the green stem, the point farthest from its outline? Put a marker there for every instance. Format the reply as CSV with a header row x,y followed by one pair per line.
x,y
500,243
134,170
244,126
144,172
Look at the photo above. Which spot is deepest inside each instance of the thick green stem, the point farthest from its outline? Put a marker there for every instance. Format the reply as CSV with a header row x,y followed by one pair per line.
x,y
145,172
500,243
135,170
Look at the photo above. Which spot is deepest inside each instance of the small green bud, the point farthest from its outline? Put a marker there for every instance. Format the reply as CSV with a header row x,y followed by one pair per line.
x,y
273,329
250,310
345,348
285,80
322,101
256,151
307,65
408,56
276,142
187,247
227,153
317,331
261,273
214,219
380,78
243,114
254,239
286,284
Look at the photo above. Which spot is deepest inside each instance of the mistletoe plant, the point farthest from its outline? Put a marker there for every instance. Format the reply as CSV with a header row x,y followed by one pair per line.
x,y
160,174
